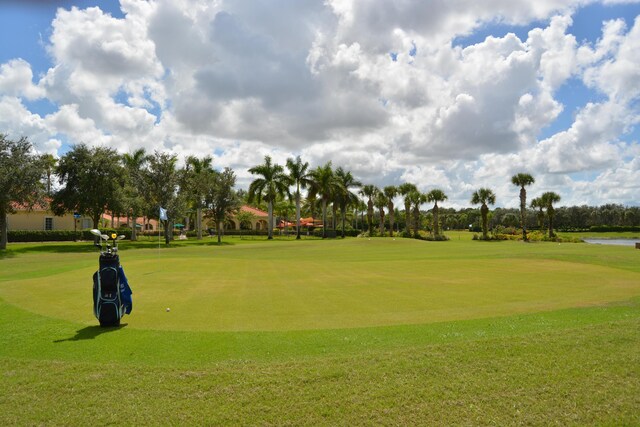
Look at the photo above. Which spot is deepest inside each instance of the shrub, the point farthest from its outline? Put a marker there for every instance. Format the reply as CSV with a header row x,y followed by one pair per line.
x,y
60,235
437,238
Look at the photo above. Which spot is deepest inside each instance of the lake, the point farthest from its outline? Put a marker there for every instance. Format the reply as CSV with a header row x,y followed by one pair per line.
x,y
618,242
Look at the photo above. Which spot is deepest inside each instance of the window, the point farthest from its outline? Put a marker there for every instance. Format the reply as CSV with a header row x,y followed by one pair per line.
x,y
48,223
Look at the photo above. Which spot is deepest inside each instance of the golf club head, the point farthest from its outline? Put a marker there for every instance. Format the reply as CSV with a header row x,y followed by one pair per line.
x,y
95,232
104,237
120,237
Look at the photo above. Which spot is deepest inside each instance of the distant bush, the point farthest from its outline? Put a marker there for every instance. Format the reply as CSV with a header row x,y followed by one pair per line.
x,y
614,228
60,235
437,238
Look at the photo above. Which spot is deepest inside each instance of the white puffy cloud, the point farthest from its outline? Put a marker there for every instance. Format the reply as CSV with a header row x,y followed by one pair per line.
x,y
16,79
377,87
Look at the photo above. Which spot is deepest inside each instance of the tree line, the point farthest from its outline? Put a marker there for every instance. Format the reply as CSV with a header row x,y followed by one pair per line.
x,y
92,181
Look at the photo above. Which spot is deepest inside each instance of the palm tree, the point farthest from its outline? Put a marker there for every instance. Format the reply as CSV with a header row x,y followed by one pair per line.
x,y
300,177
522,180
272,183
537,203
133,164
390,192
404,190
548,199
416,199
369,191
345,196
381,202
324,184
49,164
197,174
436,195
483,197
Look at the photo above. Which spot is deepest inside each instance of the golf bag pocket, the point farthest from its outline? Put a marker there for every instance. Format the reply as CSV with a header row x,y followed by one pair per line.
x,y
107,299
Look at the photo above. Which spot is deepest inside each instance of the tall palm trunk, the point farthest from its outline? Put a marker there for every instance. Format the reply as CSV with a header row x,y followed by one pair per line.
x,y
484,210
3,228
436,230
407,213
391,219
199,222
343,212
270,219
334,210
551,214
324,219
416,220
523,212
298,214
381,222
219,229
134,235
370,216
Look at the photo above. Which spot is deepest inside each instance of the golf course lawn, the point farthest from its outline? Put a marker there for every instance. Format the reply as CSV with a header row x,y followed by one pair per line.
x,y
355,331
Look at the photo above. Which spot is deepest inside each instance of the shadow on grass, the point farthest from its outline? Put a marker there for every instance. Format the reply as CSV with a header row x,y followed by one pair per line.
x,y
90,332
48,248
88,247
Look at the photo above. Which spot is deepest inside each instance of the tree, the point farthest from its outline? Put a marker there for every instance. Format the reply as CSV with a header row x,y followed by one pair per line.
x,y
199,177
161,180
92,182
49,163
436,195
522,180
324,184
300,177
404,190
273,182
220,200
416,199
369,191
390,192
381,202
548,199
483,197
345,196
539,205
134,186
283,209
244,217
21,173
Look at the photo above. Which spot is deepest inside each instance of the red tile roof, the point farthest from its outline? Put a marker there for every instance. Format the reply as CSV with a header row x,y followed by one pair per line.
x,y
256,212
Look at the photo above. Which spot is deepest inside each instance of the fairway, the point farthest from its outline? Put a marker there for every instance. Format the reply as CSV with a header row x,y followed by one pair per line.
x,y
324,284
315,332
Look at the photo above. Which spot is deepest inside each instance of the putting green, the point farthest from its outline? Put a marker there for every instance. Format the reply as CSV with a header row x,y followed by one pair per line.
x,y
321,285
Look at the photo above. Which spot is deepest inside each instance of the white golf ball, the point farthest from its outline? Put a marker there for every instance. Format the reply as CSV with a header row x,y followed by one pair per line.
x,y
168,309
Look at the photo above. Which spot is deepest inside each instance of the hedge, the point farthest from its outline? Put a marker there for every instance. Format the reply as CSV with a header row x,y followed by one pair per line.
x,y
59,235
620,228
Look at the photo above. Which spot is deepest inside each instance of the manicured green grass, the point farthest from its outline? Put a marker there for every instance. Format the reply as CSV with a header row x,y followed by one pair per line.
x,y
312,332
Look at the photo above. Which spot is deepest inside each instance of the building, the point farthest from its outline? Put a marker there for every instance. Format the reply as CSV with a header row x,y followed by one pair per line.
x,y
41,218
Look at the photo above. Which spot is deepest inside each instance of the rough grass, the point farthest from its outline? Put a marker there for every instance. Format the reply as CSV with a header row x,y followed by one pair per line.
x,y
551,344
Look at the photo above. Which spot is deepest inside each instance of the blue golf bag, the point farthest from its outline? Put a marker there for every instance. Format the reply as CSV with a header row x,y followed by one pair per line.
x,y
111,291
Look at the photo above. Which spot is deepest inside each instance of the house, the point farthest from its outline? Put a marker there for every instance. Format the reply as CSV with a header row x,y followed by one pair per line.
x,y
259,222
41,218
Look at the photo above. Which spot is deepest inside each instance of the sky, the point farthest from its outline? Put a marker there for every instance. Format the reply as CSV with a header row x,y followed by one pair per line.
x,y
455,95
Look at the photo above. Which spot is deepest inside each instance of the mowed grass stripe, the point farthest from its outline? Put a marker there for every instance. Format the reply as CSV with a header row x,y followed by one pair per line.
x,y
30,336
579,376
246,288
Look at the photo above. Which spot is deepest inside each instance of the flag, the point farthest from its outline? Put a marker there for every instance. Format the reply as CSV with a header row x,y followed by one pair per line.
x,y
163,214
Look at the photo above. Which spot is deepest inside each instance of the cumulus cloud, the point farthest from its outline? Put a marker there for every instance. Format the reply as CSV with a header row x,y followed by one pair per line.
x,y
378,87
16,79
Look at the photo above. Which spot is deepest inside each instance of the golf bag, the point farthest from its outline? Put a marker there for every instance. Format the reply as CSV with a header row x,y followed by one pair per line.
x,y
111,291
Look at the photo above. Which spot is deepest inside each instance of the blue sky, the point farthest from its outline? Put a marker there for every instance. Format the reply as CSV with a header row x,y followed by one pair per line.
x,y
374,86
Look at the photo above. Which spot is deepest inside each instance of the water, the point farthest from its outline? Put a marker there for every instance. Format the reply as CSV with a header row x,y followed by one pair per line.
x,y
617,242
